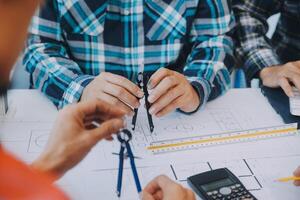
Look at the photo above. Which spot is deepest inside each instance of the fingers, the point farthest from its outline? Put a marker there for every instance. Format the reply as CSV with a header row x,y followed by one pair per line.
x,y
158,195
293,66
294,78
163,86
147,196
172,190
154,186
159,183
190,194
115,102
125,83
169,108
290,72
287,88
106,130
164,188
157,77
122,94
97,107
281,76
297,183
297,174
166,101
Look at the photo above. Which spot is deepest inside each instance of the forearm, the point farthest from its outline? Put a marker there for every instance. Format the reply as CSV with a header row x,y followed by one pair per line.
x,y
211,57
54,73
253,48
209,67
47,166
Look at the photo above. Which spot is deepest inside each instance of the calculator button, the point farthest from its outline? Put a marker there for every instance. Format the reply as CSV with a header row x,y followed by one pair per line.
x,y
237,185
219,195
209,193
215,192
232,187
225,191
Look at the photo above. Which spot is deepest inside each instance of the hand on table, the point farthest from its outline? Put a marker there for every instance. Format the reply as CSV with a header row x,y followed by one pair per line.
x,y
282,76
114,89
297,174
162,188
171,90
73,135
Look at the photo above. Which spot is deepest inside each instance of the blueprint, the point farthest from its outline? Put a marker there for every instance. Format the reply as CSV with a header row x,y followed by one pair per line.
x,y
27,126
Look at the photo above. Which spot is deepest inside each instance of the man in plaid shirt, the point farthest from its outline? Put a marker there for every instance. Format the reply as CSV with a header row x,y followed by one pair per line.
x,y
275,61
83,49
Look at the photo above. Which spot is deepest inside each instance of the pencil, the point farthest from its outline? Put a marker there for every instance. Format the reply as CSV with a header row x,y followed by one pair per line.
x,y
290,178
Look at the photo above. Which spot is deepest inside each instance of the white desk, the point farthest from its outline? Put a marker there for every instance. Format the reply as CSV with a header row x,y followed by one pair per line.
x,y
26,127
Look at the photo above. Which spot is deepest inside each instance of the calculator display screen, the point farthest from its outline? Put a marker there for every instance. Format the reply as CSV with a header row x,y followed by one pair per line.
x,y
216,184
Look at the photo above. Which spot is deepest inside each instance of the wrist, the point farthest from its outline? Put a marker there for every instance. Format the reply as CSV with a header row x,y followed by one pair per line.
x,y
85,95
45,164
263,73
267,72
193,105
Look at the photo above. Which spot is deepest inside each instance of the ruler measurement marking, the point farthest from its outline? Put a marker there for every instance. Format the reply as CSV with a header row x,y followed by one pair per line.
x,y
243,135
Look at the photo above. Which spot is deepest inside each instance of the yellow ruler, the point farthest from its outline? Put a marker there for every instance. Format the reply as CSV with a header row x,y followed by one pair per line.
x,y
165,146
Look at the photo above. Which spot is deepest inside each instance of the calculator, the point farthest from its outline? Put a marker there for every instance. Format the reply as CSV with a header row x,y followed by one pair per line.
x,y
219,184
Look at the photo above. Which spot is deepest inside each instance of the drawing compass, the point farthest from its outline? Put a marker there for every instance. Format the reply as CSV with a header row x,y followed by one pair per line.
x,y
124,138
142,83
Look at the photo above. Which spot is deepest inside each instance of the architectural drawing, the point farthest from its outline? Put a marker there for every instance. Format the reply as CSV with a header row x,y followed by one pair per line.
x,y
38,140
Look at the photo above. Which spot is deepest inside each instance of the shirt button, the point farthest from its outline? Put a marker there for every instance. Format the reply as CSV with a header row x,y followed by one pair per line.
x,y
126,12
127,50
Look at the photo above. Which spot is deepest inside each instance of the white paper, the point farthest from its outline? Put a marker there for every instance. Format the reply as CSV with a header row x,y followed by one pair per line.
x,y
295,103
25,131
3,104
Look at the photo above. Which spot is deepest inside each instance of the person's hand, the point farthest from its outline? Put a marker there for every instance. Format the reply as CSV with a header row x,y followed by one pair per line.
x,y
74,135
163,188
297,174
171,90
114,89
282,76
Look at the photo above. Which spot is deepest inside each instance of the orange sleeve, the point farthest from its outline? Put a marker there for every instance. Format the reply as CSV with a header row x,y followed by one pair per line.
x,y
19,181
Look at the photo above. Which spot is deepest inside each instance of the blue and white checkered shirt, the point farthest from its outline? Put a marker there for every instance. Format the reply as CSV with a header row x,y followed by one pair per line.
x,y
72,41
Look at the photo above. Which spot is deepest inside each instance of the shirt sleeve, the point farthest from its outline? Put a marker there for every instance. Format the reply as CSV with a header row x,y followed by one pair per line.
x,y
211,58
46,59
253,48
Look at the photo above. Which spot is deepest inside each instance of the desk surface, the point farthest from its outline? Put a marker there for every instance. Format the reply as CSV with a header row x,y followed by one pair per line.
x,y
25,131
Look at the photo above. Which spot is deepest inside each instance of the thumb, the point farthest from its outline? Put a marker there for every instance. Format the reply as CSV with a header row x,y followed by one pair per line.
x,y
105,130
287,88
